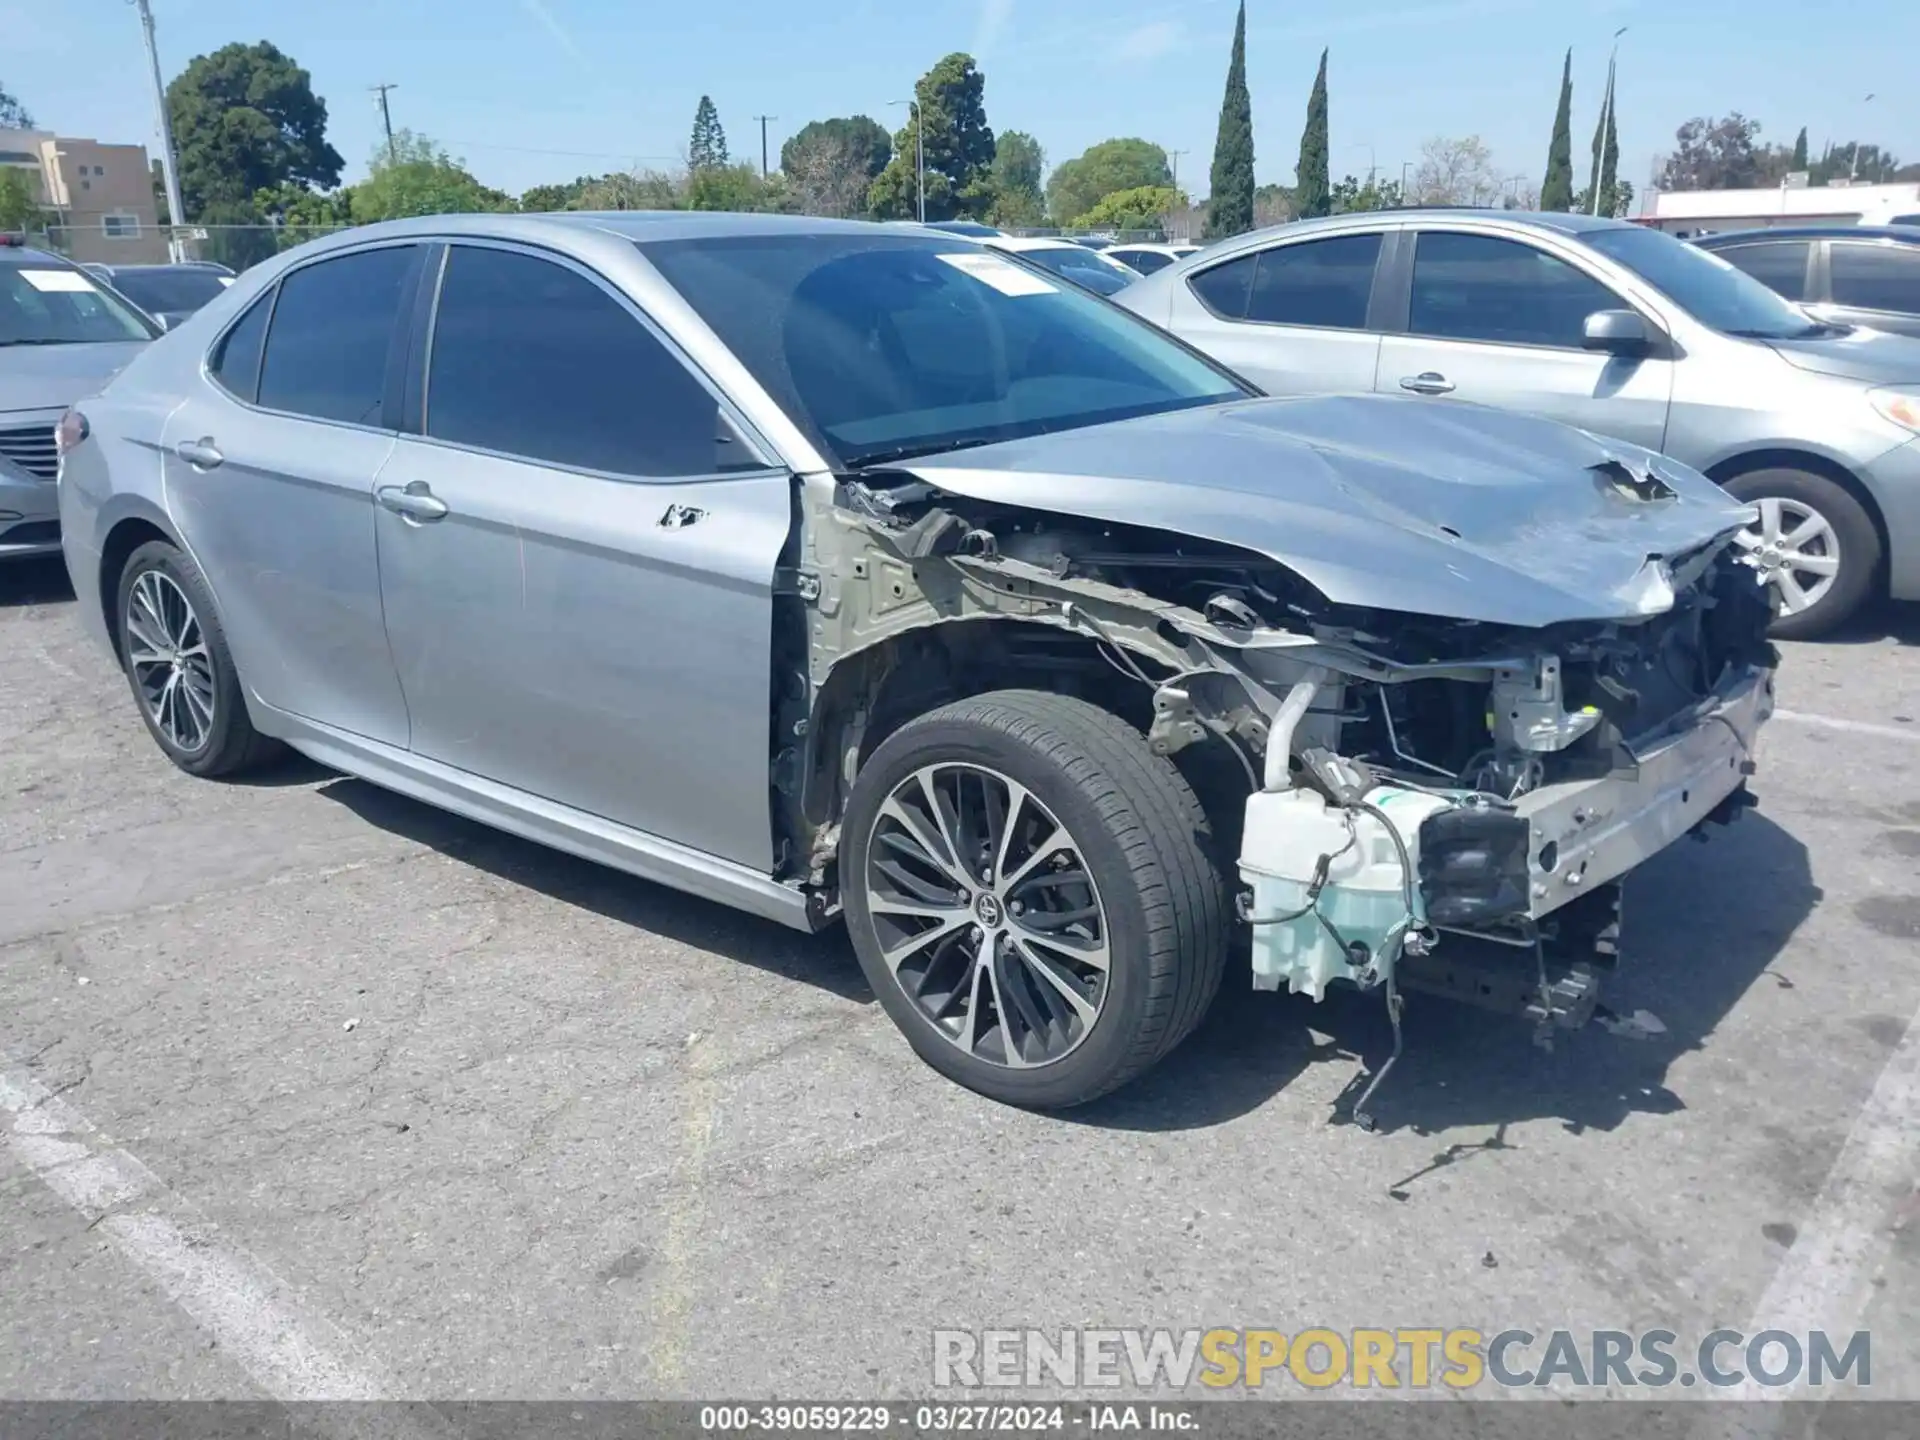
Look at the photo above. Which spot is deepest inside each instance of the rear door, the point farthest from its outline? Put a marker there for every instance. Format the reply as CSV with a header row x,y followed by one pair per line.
x,y
1875,283
577,555
1292,318
1500,321
269,465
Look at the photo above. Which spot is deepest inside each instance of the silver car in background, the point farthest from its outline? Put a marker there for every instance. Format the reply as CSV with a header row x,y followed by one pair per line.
x,y
831,569
62,337
1606,325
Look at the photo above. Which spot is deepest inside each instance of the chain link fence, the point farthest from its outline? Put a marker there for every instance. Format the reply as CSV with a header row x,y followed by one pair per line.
x,y
235,246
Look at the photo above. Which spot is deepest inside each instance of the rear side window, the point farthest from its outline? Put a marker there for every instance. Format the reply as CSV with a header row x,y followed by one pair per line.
x,y
1225,289
1322,282
1876,277
1780,265
326,354
1145,261
235,361
532,359
1479,287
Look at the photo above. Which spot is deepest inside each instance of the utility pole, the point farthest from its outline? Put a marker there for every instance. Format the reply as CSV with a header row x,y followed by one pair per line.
x,y
176,213
1853,165
763,142
386,119
1173,164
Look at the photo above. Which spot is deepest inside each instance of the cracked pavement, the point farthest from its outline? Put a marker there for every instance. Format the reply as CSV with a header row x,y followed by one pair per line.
x,y
523,1127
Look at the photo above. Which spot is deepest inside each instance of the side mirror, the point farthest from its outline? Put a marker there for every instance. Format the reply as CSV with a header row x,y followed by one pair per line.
x,y
1617,332
164,323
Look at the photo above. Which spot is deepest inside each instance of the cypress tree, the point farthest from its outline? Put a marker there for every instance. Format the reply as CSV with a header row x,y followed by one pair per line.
x,y
707,150
1312,186
1610,163
1556,191
1799,161
1230,205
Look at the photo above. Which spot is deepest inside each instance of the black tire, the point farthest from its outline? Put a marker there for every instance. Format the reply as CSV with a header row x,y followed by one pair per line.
x,y
1140,834
231,744
1853,528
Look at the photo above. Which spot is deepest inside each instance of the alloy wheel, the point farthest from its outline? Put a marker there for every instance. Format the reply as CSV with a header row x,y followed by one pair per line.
x,y
172,669
987,916
1795,550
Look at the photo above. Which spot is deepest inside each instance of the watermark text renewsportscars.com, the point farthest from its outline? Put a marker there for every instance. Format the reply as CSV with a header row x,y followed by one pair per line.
x,y
1398,1358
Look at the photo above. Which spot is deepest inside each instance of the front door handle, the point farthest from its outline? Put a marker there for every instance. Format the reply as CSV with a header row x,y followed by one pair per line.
x,y
413,501
1427,382
201,454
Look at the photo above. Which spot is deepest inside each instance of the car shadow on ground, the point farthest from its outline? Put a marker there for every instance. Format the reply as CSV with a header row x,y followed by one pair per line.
x,y
1894,620
39,581
824,960
1703,924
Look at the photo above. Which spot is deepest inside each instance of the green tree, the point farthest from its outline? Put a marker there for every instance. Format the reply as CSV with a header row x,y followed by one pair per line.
x,y
298,214
420,178
19,210
862,136
1142,208
1312,193
1875,166
731,187
1712,154
635,190
13,115
1556,191
1105,169
245,119
1350,195
539,199
708,147
1230,205
1018,163
825,173
1799,161
1606,159
950,110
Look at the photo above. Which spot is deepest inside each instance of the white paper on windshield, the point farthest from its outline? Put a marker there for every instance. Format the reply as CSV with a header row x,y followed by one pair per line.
x,y
52,280
1007,278
226,279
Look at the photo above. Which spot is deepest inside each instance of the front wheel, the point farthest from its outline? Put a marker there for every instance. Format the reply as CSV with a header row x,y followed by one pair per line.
x,y
1814,545
1032,897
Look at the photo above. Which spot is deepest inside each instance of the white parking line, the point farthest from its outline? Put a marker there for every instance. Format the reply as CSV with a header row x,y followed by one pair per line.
x,y
1851,727
248,1309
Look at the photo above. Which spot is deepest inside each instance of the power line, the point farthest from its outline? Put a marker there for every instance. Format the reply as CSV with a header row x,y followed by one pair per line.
x,y
574,154
763,142
386,119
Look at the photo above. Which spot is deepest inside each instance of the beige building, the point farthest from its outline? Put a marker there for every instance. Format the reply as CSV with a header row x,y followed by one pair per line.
x,y
98,197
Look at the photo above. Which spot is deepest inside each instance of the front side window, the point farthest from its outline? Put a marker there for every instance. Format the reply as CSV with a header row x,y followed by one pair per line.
x,y
326,353
533,359
235,361
1323,283
61,305
1780,265
890,345
1481,287
1709,288
1876,277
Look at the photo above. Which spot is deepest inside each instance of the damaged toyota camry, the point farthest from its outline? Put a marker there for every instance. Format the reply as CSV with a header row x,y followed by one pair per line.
x,y
844,572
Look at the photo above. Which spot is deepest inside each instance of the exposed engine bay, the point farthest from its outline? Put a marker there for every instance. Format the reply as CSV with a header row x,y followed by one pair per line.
x,y
1416,802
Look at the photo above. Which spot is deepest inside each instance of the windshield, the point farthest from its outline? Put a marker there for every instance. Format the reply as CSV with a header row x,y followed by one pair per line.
x,y
169,292
885,346
1083,267
59,305
1705,286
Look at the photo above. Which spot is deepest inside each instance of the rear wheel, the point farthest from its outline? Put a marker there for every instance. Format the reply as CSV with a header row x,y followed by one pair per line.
x,y
1814,546
176,658
1031,895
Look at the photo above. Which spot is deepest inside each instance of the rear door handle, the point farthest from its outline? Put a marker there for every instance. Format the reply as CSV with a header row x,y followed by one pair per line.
x,y
413,501
201,454
1427,382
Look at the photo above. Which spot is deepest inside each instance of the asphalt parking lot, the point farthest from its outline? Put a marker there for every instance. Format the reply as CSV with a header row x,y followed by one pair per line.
x,y
441,1114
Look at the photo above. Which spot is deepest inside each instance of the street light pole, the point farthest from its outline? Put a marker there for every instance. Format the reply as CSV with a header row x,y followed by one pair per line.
x,y
176,214
1853,165
1606,117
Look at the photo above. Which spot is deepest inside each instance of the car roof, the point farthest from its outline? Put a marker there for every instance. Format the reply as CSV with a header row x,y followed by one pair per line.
x,y
1030,242
27,255
1908,233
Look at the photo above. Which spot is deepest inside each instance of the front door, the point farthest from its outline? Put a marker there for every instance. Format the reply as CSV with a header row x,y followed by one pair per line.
x,y
577,558
1500,322
269,465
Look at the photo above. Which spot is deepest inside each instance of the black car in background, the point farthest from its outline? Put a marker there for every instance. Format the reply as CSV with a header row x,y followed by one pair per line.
x,y
1850,274
169,293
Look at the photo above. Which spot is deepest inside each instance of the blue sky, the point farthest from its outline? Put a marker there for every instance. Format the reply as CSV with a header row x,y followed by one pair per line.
x,y
508,84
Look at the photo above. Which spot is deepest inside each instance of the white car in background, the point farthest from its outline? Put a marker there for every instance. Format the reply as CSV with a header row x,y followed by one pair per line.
x,y
1088,268
1149,258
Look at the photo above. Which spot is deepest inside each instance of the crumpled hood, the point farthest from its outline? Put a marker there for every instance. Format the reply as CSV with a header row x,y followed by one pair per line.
x,y
1875,356
52,377
1393,503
